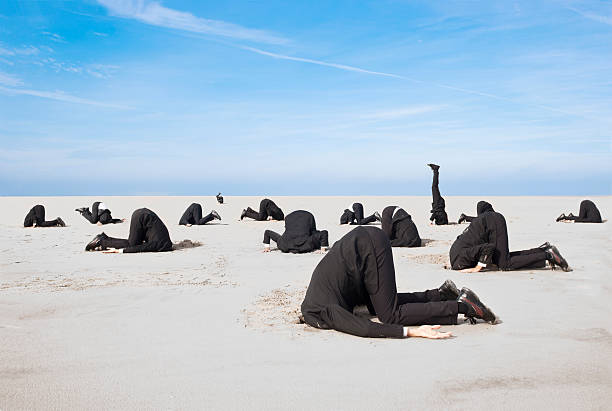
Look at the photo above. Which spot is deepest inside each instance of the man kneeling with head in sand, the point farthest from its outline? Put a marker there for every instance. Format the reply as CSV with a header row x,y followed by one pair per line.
x,y
148,233
300,236
485,242
359,270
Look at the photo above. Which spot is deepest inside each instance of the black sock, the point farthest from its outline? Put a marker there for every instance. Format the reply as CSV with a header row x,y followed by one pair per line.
x,y
463,308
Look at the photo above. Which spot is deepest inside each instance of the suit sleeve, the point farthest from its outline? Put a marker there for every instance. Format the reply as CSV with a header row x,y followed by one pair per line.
x,y
344,321
398,242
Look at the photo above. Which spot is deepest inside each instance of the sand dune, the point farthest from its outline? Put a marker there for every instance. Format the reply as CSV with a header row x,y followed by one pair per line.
x,y
214,323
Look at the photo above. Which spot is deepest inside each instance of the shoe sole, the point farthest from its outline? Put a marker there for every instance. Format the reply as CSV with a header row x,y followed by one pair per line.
x,y
558,259
481,309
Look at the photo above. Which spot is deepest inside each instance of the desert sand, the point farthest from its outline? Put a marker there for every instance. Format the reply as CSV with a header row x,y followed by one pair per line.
x,y
215,326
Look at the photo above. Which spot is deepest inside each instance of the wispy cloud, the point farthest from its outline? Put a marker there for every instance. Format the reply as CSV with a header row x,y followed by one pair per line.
x,y
403,112
593,16
6,52
102,71
9,80
18,51
321,63
153,13
96,33
60,96
54,37
402,77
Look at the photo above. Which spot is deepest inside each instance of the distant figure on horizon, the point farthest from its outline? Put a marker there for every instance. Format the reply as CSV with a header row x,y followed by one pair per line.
x,y
268,210
300,236
588,214
99,214
400,228
36,218
485,242
148,233
437,206
359,270
356,217
481,207
219,198
193,216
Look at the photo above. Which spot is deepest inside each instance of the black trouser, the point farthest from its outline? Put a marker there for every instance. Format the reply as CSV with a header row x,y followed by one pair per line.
x,y
405,308
359,218
136,236
468,257
92,216
37,215
438,204
469,218
262,215
193,215
435,190
95,216
524,259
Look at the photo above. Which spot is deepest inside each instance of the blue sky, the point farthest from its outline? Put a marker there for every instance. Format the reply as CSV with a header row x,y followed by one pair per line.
x,y
336,97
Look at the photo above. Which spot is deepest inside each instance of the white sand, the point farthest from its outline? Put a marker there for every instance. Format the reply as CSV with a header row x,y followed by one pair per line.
x,y
211,326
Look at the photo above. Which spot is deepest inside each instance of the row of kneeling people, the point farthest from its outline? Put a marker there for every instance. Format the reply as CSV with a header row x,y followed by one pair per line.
x,y
359,270
482,245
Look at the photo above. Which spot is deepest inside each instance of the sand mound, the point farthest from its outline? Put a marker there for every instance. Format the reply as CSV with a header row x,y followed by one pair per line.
x,y
278,309
186,244
438,259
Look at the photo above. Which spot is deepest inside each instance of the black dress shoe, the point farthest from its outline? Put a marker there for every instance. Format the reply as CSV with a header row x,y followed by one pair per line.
x,y
556,259
449,291
243,214
476,309
60,222
215,214
377,216
96,243
461,218
434,166
81,210
561,217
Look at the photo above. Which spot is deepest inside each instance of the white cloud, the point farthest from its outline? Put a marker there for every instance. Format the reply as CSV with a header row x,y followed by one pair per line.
x,y
323,63
9,80
401,77
102,71
22,51
153,13
593,16
54,37
60,96
6,52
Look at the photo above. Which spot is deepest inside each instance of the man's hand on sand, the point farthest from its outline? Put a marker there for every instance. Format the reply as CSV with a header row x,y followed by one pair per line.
x,y
321,250
266,250
428,331
111,251
471,270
